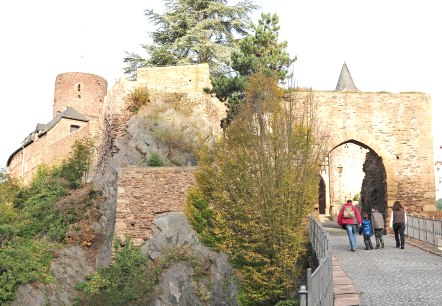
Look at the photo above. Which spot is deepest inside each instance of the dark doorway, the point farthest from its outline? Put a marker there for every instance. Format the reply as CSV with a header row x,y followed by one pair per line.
x,y
374,185
321,196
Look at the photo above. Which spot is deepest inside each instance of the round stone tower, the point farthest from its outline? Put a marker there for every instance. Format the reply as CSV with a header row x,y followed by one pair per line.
x,y
83,91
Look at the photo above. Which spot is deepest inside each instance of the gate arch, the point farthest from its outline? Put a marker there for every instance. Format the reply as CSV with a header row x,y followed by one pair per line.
x,y
397,126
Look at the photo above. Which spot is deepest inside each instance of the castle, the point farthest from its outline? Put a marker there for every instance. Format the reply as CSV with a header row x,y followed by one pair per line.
x,y
78,99
80,109
391,132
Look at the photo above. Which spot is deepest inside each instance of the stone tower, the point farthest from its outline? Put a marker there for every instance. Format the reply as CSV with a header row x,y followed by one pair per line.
x,y
82,91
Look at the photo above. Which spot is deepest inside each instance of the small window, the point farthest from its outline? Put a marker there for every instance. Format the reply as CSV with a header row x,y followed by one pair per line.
x,y
74,128
78,87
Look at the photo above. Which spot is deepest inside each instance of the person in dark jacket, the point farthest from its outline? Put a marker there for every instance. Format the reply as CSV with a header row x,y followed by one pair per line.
x,y
366,231
398,220
377,220
348,220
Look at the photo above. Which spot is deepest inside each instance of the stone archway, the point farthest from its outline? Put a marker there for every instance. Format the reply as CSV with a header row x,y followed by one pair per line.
x,y
397,127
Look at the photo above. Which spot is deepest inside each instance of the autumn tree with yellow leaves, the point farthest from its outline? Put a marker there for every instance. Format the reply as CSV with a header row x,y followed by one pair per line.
x,y
256,186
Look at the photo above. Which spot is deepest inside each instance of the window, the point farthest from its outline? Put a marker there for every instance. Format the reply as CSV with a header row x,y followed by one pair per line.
x,y
78,87
74,128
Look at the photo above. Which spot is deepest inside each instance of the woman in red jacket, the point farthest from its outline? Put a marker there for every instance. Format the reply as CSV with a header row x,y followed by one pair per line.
x,y
348,217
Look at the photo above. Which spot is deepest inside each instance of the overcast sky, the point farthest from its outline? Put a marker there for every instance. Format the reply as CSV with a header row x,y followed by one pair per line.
x,y
387,45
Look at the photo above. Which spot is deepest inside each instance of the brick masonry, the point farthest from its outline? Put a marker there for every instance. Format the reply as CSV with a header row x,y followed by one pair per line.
x,y
143,193
83,91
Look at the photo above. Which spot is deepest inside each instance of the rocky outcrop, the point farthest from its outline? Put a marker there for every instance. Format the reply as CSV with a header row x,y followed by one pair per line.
x,y
179,285
69,267
171,125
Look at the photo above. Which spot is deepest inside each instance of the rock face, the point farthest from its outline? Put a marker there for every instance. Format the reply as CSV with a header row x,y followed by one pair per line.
x,y
70,267
171,125
178,285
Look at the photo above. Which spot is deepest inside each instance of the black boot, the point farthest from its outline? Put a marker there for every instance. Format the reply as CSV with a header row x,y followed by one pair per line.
x,y
366,244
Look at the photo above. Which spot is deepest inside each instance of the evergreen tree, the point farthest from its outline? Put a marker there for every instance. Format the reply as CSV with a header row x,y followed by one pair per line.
x,y
191,32
260,51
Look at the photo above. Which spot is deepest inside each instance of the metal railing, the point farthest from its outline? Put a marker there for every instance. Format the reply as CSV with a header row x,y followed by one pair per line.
x,y
319,289
427,230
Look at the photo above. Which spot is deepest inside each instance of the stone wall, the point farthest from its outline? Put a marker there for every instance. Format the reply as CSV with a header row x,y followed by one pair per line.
x,y
398,127
186,79
83,91
143,193
53,145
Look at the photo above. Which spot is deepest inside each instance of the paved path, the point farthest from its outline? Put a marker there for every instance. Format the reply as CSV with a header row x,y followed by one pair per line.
x,y
389,276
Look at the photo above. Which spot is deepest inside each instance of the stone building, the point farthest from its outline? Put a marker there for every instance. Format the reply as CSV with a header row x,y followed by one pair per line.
x,y
78,100
83,108
383,140
380,144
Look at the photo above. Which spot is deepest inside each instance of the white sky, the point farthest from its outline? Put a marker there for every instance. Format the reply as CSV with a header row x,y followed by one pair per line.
x,y
387,45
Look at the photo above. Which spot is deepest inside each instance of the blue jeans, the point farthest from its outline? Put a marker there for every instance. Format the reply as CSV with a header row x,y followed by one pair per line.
x,y
351,232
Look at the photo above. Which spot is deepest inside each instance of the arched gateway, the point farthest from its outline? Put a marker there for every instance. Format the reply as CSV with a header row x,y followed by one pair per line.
x,y
392,134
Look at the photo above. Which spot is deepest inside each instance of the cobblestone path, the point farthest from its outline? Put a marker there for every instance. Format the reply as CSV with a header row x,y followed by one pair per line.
x,y
389,276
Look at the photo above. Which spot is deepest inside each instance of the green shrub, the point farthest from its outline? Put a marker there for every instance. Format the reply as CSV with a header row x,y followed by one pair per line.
x,y
7,232
200,216
21,262
75,168
155,160
131,279
31,218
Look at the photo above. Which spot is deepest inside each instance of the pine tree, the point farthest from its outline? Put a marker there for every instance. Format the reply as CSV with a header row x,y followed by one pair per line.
x,y
258,52
192,32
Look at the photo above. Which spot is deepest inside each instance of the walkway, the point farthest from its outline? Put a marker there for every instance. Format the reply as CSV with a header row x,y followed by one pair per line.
x,y
389,276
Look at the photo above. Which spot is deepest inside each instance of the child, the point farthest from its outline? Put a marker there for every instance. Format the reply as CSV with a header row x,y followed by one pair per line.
x,y
366,231
378,225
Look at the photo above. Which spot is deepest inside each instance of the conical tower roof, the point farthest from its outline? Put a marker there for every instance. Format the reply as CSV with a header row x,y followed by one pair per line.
x,y
345,82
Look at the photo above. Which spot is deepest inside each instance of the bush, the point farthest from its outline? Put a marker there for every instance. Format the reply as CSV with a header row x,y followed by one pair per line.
x,y
7,232
137,99
155,160
21,262
131,279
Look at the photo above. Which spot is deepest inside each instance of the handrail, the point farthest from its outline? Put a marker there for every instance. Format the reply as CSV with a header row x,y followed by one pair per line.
x,y
424,229
319,289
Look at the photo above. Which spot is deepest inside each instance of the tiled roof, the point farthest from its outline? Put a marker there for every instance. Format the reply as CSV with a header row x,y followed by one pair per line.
x,y
68,113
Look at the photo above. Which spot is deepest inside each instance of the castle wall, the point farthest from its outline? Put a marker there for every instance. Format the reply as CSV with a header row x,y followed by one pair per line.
x,y
51,146
144,192
83,91
398,127
186,79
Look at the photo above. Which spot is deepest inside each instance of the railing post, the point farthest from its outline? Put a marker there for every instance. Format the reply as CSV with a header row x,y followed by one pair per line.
x,y
309,287
303,296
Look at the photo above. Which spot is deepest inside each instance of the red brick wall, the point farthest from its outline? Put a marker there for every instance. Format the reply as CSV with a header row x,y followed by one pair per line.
x,y
83,91
145,192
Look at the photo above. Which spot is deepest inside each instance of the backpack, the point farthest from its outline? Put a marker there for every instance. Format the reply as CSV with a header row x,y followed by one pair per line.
x,y
349,212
